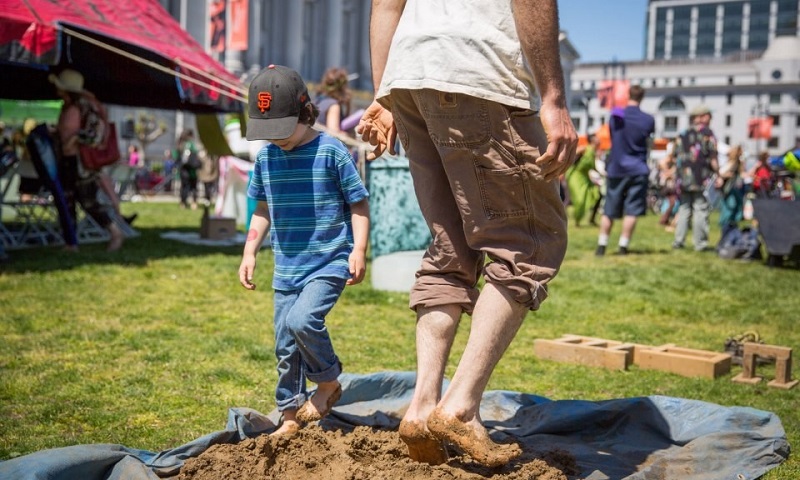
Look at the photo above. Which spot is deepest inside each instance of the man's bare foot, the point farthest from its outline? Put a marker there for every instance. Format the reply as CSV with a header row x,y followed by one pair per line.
x,y
320,403
472,438
423,446
288,427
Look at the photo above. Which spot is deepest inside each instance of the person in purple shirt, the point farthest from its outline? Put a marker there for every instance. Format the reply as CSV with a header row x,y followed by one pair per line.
x,y
627,171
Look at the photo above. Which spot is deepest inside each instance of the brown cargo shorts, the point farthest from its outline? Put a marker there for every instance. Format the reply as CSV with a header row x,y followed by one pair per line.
x,y
481,193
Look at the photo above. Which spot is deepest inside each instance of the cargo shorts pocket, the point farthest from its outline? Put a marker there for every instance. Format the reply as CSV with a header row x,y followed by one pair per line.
x,y
501,182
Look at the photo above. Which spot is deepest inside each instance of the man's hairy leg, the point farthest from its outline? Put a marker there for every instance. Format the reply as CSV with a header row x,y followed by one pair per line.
x,y
436,329
495,322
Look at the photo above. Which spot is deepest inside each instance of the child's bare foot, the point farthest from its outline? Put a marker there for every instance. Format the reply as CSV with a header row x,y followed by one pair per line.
x,y
472,438
288,427
320,404
423,446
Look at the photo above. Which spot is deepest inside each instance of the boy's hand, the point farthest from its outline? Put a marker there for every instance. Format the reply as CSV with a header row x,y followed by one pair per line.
x,y
246,271
358,267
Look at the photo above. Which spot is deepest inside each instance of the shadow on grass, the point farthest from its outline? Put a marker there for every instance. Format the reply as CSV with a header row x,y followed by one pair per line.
x,y
136,251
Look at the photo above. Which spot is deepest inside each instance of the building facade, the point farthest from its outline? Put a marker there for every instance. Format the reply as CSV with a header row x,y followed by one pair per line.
x,y
753,73
714,28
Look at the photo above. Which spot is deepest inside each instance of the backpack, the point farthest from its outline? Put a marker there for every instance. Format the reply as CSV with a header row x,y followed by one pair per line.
x,y
94,126
742,244
691,161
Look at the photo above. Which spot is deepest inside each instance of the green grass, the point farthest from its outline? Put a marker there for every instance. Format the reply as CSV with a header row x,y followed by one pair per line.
x,y
150,346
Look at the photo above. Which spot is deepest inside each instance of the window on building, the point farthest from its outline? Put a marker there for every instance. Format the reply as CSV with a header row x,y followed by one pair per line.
x,y
653,83
672,104
671,124
727,120
728,139
706,30
797,121
680,82
732,27
787,18
681,23
773,142
729,99
776,120
730,80
774,98
576,122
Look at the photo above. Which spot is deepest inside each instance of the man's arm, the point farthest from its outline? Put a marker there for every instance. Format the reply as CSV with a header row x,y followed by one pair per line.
x,y
537,27
383,22
377,124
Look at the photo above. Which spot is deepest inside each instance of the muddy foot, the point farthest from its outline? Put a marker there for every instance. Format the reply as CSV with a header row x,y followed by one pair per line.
x,y
312,413
472,440
288,428
422,445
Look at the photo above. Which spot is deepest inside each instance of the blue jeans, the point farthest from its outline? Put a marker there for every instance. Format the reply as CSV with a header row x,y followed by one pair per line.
x,y
302,344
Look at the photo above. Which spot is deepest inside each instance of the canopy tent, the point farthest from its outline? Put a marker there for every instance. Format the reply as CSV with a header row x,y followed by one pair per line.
x,y
131,53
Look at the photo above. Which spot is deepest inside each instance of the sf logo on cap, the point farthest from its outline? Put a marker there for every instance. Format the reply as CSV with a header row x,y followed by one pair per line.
x,y
264,100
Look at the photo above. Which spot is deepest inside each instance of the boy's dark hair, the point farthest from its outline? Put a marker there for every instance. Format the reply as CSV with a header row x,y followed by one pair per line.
x,y
308,116
636,93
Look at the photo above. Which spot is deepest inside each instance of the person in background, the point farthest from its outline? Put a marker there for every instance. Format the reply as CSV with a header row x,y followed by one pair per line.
x,y
189,163
312,203
695,153
169,169
208,175
30,185
763,178
80,185
487,136
584,194
730,183
627,171
333,100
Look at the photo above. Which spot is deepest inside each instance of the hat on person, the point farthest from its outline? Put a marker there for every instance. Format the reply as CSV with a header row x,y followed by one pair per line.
x,y
68,80
700,110
277,95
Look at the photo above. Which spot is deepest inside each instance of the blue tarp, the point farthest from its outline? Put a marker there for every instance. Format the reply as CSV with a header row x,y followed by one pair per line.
x,y
632,438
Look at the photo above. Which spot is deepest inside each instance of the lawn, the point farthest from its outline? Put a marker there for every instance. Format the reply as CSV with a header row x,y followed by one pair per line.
x,y
150,346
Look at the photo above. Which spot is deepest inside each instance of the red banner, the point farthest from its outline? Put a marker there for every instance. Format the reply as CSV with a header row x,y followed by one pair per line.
x,y
613,93
239,20
216,16
759,127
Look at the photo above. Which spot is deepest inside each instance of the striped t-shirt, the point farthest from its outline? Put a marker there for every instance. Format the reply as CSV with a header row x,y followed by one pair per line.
x,y
309,191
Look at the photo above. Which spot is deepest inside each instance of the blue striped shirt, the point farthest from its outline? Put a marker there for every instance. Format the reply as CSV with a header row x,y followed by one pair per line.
x,y
309,191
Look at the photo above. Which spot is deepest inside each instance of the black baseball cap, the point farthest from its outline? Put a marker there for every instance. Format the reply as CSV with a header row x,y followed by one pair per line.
x,y
277,95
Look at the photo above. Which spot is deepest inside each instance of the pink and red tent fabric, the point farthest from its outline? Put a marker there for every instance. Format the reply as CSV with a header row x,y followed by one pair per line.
x,y
131,52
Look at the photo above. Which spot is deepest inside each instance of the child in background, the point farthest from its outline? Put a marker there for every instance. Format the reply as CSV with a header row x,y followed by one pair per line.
x,y
314,205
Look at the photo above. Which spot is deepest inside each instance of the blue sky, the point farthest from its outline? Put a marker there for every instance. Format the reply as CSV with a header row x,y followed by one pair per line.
x,y
604,30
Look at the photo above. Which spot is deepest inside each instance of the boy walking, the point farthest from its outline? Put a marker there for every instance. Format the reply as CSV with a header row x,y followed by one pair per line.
x,y
311,200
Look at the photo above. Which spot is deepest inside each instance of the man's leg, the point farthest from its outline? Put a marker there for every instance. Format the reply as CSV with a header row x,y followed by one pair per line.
x,y
436,330
606,223
628,226
700,228
684,215
495,322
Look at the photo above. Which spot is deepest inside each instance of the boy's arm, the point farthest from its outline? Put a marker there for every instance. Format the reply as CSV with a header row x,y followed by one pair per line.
x,y
358,257
259,225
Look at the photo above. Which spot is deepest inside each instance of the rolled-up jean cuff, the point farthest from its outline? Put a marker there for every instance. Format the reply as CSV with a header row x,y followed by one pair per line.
x,y
293,403
328,375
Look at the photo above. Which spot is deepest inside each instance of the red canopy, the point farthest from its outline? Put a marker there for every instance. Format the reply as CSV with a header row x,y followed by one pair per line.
x,y
131,52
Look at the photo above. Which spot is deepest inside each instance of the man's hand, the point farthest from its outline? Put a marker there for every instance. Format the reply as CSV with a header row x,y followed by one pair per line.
x,y
562,141
377,128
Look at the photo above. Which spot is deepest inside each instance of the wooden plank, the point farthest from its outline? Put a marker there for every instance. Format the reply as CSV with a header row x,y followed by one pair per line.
x,y
618,357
